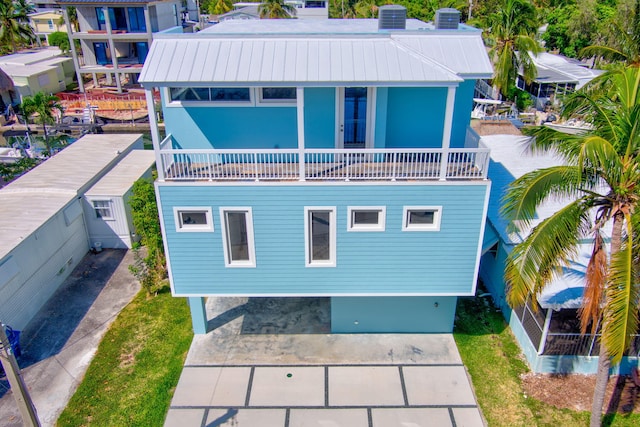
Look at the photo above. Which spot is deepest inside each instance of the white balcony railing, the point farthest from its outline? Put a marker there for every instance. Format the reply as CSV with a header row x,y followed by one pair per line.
x,y
322,165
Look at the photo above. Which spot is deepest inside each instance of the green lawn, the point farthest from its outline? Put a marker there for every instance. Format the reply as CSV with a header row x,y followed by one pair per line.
x,y
131,380
492,357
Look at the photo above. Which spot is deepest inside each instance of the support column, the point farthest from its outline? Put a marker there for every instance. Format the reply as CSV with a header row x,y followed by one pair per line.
x,y
198,315
155,134
446,132
545,332
112,48
74,54
300,119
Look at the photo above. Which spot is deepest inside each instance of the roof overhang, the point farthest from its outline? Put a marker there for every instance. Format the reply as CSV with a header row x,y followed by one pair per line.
x,y
203,60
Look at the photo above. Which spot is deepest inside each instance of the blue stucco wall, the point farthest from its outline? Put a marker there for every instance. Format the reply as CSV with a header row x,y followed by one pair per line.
x,y
392,314
415,117
389,262
462,112
320,117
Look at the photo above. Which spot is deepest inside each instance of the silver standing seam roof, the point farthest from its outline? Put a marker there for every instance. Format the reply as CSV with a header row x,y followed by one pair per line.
x,y
315,53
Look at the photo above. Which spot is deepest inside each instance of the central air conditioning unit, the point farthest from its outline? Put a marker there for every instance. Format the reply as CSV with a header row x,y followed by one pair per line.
x,y
392,17
447,19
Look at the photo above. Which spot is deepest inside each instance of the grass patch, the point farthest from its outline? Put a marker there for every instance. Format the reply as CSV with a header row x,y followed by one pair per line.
x,y
132,378
494,361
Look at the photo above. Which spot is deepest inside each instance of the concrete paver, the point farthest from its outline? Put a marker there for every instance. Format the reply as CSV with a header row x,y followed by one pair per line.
x,y
184,417
203,386
288,386
411,417
328,418
438,385
246,417
347,380
365,386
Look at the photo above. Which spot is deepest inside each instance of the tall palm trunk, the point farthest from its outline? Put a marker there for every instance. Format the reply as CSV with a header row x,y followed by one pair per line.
x,y
604,362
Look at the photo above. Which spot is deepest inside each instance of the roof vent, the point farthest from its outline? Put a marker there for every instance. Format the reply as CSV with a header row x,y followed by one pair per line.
x,y
447,19
392,17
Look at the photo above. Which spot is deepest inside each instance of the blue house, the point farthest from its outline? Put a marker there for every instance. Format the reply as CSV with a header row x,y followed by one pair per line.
x,y
331,158
547,327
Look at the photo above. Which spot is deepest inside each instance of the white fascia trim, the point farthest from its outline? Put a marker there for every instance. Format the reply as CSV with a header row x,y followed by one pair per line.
x,y
309,295
165,241
476,270
322,183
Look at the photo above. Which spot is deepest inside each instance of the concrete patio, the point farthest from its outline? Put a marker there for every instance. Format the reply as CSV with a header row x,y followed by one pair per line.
x,y
270,362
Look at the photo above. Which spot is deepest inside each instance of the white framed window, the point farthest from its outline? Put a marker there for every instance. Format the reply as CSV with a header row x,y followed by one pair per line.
x,y
421,218
210,96
237,237
103,209
193,219
277,95
366,218
320,236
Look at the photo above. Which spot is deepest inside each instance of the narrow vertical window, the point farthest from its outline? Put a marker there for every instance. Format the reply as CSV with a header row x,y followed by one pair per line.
x,y
320,237
239,250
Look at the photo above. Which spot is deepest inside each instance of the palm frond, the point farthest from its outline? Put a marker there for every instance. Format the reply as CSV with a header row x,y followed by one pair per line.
x,y
620,318
526,193
595,278
551,245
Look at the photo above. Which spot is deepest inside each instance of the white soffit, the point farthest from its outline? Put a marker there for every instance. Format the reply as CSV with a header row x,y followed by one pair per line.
x,y
285,61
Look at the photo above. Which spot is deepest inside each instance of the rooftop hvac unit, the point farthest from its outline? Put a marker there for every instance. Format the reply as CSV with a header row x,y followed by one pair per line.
x,y
447,19
392,17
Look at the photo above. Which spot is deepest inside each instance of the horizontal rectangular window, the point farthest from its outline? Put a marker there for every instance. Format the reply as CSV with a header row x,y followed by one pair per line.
x,y
278,94
210,94
238,243
102,209
366,218
193,219
320,236
421,218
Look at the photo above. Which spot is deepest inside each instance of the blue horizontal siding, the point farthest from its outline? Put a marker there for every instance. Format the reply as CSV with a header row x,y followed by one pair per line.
x,y
392,261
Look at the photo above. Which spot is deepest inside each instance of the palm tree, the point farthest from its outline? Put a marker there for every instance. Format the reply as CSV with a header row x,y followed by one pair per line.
x,y
511,35
220,7
601,177
14,27
24,8
625,43
72,13
43,105
275,9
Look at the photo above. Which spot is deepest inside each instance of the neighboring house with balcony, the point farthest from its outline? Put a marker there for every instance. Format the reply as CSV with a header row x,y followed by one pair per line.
x,y
547,327
115,36
323,158
45,23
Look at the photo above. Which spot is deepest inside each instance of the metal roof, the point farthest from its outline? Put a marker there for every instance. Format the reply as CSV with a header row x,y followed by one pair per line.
x,y
105,1
463,53
289,60
34,198
553,68
121,178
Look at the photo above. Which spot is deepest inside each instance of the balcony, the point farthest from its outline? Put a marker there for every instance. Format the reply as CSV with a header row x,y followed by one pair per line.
x,y
322,164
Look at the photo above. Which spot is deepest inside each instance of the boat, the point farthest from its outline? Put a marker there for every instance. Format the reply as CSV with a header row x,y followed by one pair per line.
x,y
571,126
9,155
480,109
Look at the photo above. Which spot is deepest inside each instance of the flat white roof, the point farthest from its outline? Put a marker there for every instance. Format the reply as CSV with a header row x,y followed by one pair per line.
x,y
316,52
34,198
121,178
553,68
31,57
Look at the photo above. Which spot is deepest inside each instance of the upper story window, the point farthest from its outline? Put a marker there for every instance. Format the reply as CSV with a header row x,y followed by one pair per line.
x,y
210,94
137,23
237,237
320,236
102,209
314,4
277,94
366,218
117,18
193,219
50,22
421,218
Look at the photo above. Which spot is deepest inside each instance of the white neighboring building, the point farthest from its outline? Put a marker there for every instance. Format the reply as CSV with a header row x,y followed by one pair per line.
x,y
42,224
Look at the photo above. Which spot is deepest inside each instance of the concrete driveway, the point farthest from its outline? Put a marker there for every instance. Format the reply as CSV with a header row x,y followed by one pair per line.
x,y
61,340
270,362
